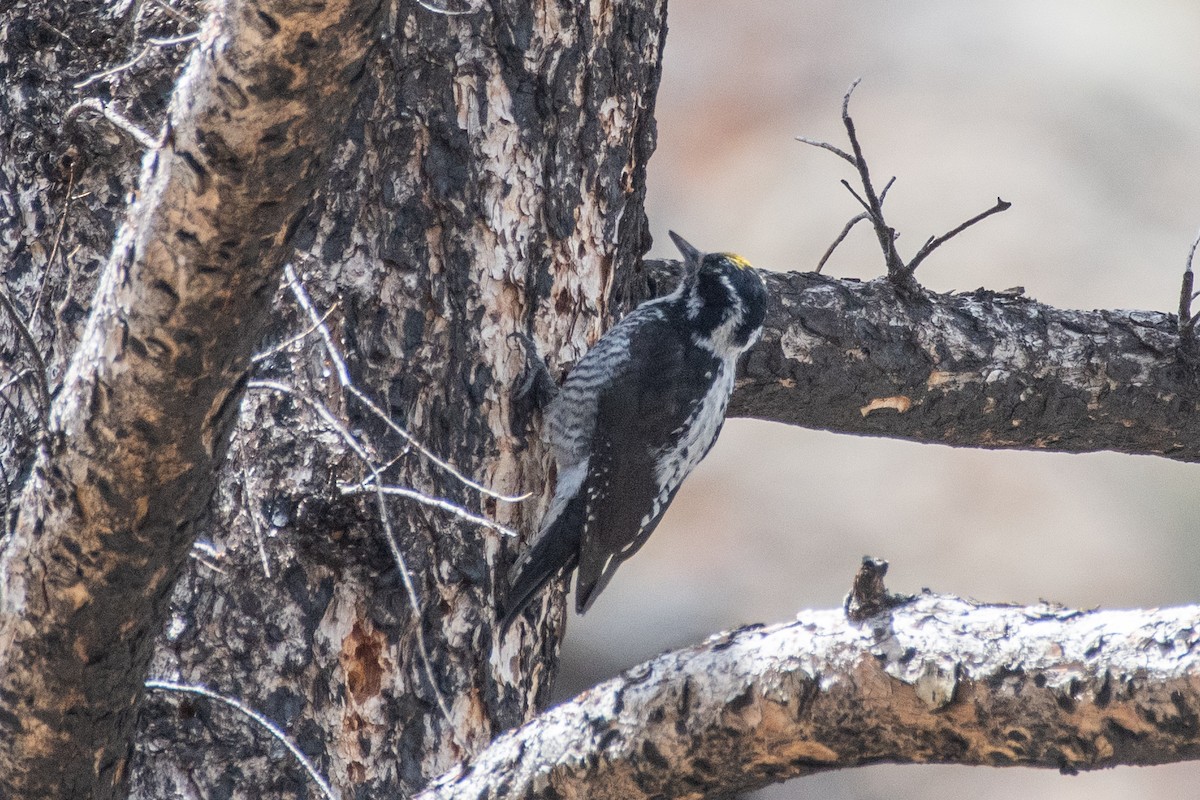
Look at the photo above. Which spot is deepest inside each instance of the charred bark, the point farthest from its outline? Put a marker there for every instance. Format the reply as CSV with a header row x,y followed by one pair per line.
x,y
976,369
492,181
127,468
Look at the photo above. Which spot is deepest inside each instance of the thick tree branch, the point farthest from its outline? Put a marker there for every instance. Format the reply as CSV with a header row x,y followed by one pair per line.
x,y
937,680
107,518
978,369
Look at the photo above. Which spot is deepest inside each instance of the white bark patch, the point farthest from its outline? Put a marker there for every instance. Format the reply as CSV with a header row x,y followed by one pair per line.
x,y
897,686
798,345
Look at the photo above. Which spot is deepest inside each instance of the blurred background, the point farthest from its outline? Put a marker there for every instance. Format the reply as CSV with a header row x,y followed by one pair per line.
x,y
1086,116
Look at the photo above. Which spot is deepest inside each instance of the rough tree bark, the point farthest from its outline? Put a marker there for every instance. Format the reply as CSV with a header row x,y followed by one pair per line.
x,y
972,369
490,180
935,680
142,420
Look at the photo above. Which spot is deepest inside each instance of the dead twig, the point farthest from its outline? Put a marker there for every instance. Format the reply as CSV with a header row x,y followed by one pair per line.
x,y
348,385
837,151
151,44
1188,346
840,238
898,272
437,8
255,528
935,242
39,371
389,534
1187,320
885,233
119,121
258,358
855,220
175,14
62,224
266,724
368,487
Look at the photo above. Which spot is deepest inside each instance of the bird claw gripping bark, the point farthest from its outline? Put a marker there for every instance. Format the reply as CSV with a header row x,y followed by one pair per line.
x,y
533,392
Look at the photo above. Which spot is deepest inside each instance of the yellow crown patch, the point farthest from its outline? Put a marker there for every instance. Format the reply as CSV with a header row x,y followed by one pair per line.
x,y
736,260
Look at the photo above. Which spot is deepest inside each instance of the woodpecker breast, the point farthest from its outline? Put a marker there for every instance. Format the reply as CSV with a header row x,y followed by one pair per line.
x,y
634,417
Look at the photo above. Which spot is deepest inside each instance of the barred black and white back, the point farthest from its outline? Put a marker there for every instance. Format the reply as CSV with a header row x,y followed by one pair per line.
x,y
635,416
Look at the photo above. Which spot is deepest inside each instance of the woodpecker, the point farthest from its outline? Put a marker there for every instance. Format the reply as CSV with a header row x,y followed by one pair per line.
x,y
634,418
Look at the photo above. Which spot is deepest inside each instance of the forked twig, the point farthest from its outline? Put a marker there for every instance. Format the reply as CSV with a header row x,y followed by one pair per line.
x,y
898,272
258,358
369,487
133,62
854,220
348,385
119,121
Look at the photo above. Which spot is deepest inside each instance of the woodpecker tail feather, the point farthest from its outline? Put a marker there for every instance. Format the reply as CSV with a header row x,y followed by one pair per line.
x,y
556,550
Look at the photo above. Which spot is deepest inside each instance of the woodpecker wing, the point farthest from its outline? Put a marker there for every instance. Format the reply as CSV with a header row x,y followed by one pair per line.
x,y
640,413
556,549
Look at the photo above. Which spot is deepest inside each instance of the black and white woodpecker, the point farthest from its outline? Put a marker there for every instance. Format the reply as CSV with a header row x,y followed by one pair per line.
x,y
634,418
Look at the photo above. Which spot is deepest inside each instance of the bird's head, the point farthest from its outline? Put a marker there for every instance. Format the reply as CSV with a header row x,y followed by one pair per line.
x,y
726,299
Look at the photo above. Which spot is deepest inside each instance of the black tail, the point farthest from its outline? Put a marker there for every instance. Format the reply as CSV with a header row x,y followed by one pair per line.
x,y
556,550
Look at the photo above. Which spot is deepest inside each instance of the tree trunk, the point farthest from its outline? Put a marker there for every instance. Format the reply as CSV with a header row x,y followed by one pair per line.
x,y
128,462
491,182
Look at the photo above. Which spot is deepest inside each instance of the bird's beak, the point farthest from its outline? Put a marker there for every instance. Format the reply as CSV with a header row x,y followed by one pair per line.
x,y
691,256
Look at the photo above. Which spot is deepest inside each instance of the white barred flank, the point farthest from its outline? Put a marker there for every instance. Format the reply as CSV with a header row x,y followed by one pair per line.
x,y
571,418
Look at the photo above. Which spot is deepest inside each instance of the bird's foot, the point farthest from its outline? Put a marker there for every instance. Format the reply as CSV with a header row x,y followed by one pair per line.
x,y
535,389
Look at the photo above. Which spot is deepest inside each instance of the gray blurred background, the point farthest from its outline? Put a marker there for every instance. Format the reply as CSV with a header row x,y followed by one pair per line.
x,y
1086,115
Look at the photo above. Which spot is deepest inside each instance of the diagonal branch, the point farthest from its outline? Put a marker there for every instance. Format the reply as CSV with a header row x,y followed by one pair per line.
x,y
840,238
143,419
885,233
937,680
937,241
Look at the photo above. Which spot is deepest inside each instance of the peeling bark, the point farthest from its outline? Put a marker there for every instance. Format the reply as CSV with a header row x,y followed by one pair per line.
x,y
938,680
491,181
107,518
977,369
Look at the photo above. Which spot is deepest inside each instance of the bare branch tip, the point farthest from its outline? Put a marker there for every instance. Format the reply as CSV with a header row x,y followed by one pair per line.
x,y
886,187
471,8
934,242
1192,252
866,206
846,98
259,719
837,151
